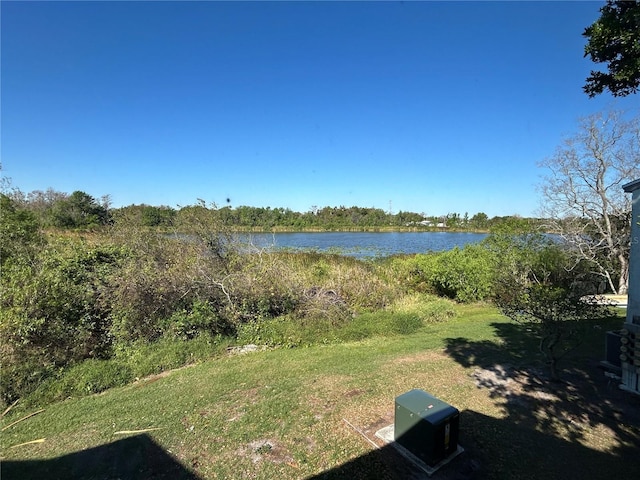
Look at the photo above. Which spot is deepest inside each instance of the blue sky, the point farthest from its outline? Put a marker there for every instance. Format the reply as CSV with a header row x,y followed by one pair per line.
x,y
433,107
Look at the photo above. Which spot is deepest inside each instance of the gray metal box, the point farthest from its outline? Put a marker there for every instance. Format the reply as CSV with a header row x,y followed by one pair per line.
x,y
426,426
612,348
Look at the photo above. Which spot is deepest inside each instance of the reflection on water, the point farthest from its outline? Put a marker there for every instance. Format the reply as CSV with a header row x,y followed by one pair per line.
x,y
363,244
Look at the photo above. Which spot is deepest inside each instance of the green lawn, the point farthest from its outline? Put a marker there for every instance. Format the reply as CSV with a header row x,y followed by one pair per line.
x,y
312,413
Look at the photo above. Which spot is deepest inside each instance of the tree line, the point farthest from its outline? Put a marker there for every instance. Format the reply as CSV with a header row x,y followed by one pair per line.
x,y
79,210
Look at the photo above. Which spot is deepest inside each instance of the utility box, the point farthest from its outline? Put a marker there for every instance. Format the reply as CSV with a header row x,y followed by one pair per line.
x,y
612,349
426,426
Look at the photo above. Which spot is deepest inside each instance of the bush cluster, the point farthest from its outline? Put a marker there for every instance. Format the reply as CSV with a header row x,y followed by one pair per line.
x,y
82,313
73,302
464,275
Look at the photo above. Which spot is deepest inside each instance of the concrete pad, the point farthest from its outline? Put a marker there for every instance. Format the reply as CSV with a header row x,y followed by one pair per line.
x,y
386,434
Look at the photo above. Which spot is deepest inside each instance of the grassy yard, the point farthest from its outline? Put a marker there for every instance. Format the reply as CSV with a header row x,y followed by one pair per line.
x,y
313,412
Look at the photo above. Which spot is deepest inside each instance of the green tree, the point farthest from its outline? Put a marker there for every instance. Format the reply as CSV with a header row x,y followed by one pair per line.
x,y
614,39
79,210
453,220
407,218
554,314
157,216
19,231
534,287
480,221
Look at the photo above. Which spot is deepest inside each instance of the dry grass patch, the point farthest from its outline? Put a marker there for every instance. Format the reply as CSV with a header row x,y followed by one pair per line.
x,y
426,356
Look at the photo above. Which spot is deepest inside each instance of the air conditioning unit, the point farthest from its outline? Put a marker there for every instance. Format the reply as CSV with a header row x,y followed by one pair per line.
x,y
612,349
426,426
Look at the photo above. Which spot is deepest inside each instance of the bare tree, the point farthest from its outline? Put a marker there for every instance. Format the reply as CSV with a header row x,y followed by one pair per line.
x,y
583,197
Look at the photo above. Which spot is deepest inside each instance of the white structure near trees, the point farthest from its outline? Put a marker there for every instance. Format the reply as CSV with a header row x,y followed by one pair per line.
x,y
630,355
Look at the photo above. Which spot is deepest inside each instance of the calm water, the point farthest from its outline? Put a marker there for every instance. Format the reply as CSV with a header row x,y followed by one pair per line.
x,y
366,244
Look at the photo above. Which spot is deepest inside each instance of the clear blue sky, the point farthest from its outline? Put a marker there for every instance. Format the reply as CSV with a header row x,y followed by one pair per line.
x,y
431,107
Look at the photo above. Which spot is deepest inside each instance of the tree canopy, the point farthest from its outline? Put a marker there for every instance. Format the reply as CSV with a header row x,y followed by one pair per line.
x,y
79,210
614,39
19,230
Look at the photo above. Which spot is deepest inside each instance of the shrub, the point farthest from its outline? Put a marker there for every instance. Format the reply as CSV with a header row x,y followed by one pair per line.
x,y
380,324
166,274
168,353
55,311
263,286
409,272
86,378
362,285
21,378
320,304
158,279
428,308
20,235
201,317
284,331
465,275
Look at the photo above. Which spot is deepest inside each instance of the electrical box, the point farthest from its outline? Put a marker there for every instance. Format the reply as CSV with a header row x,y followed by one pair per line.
x,y
426,426
612,348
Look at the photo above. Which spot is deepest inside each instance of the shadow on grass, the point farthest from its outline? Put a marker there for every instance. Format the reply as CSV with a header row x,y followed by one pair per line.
x,y
546,424
581,428
498,449
382,463
133,458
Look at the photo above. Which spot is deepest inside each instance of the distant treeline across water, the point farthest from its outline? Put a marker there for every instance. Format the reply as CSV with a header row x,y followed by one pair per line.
x,y
80,210
355,219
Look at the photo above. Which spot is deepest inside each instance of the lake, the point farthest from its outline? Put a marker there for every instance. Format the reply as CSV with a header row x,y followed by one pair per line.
x,y
364,244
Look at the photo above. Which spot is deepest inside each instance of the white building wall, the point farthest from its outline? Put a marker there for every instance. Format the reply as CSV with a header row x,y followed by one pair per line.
x,y
631,356
633,305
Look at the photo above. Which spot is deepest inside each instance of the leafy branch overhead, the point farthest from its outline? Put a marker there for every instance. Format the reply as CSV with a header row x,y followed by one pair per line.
x,y
614,39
